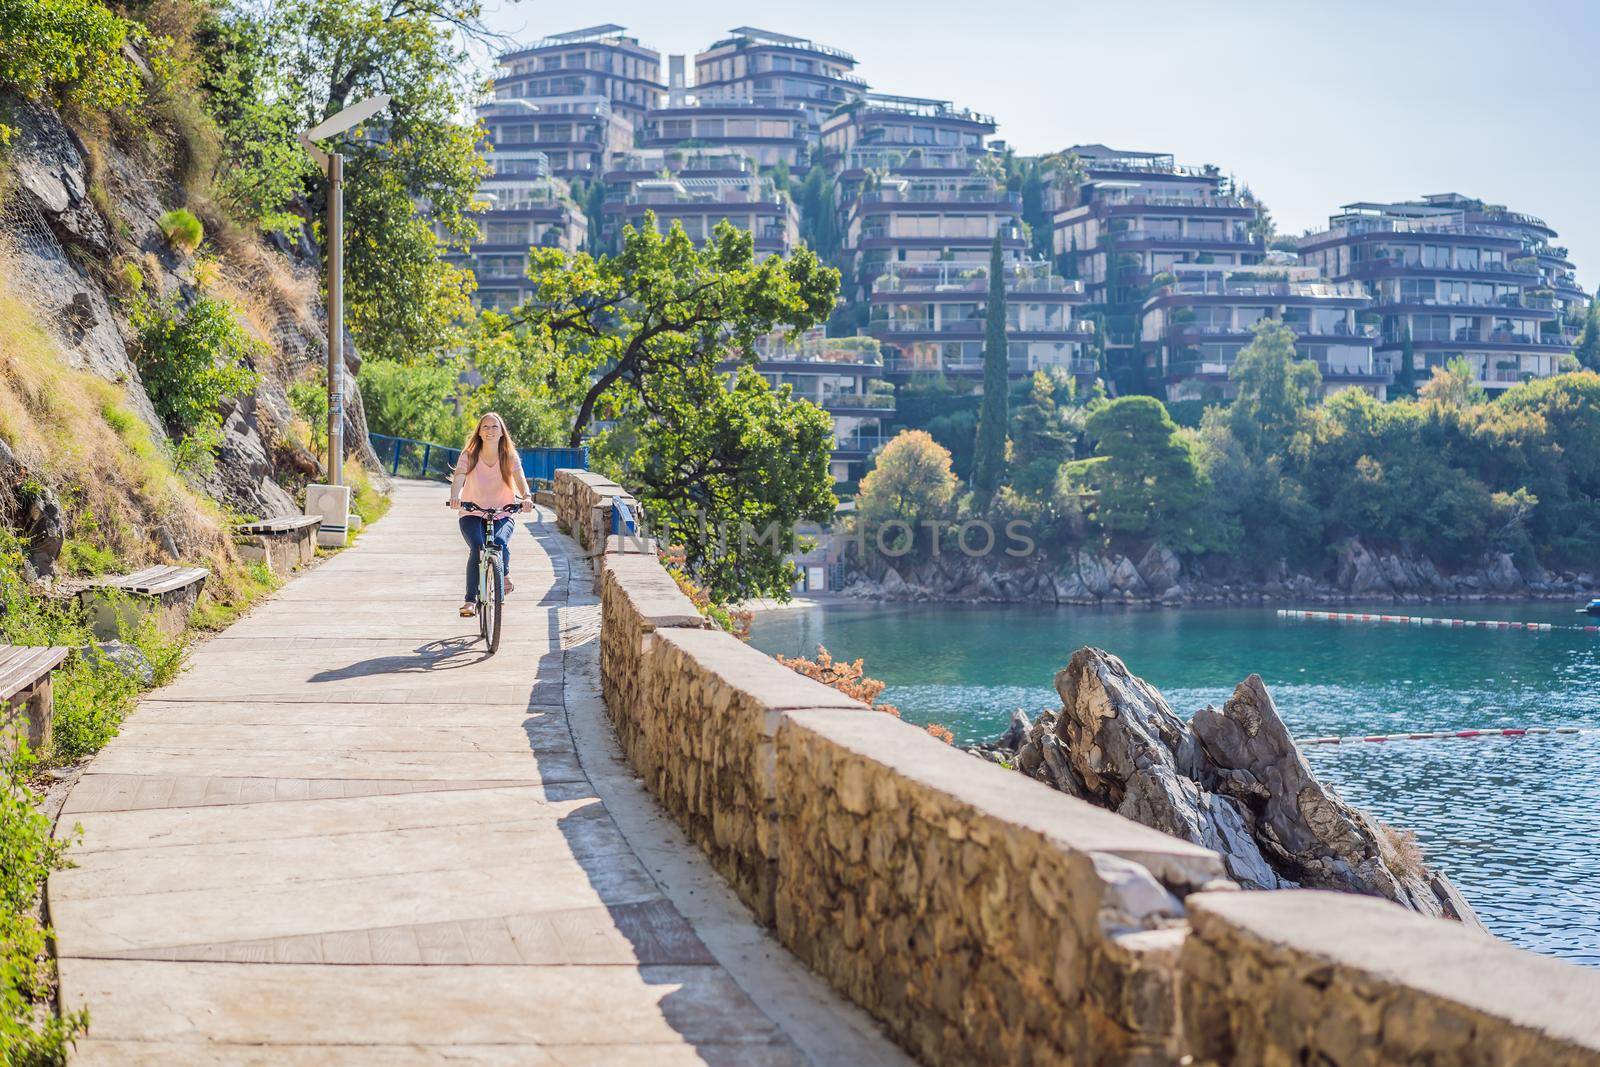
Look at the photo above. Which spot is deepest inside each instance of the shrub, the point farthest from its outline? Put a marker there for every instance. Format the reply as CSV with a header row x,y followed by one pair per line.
x,y
27,976
848,678
67,51
182,230
191,361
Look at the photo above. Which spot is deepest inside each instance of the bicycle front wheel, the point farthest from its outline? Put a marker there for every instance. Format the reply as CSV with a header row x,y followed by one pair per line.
x,y
493,598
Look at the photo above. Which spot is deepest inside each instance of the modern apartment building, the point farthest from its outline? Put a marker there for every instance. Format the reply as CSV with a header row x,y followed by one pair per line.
x,y
578,134
1197,322
930,318
845,377
1458,277
523,206
598,61
760,66
906,123
1135,216
744,198
768,131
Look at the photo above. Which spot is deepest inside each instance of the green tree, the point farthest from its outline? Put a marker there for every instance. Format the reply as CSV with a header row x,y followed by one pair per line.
x,y
1273,389
819,212
1588,347
1044,430
645,339
403,300
989,462
617,326
1148,478
728,470
911,481
67,51
421,401
1453,386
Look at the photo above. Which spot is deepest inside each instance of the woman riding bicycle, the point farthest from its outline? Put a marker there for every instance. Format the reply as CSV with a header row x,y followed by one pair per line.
x,y
488,474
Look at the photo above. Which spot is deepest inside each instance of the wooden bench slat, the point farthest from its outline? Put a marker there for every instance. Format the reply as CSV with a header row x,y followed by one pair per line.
x,y
21,666
282,524
153,580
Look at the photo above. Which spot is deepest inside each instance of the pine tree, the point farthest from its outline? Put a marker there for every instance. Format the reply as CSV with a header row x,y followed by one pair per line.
x,y
989,461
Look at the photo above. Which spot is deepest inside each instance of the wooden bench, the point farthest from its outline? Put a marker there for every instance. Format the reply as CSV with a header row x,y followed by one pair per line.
x,y
166,593
282,544
25,701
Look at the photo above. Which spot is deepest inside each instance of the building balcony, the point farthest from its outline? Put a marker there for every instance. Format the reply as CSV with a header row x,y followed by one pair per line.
x,y
1386,267
916,195
901,366
1481,339
904,330
1189,332
855,403
1217,370
1137,237
1202,201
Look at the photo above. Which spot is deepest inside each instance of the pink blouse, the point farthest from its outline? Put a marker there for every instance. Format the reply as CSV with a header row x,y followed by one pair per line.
x,y
484,486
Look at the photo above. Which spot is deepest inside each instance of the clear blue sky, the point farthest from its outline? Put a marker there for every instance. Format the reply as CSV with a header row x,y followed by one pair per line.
x,y
1315,105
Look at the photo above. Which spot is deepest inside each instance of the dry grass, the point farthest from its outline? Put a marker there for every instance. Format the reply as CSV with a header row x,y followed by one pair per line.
x,y
1401,851
76,432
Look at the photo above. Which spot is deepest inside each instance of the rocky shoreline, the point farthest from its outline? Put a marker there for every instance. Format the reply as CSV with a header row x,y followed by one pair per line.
x,y
1230,779
1161,577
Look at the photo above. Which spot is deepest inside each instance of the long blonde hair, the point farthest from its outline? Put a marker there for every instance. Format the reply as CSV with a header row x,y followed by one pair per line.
x,y
508,461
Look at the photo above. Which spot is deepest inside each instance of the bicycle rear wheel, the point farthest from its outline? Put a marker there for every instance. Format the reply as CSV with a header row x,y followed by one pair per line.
x,y
492,604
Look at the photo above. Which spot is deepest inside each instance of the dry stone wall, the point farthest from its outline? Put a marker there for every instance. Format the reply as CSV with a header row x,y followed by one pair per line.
x,y
1309,976
987,919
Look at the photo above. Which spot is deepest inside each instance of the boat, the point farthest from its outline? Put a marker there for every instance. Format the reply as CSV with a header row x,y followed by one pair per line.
x,y
1592,609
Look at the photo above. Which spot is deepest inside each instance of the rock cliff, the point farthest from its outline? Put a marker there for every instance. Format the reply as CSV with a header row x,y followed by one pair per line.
x,y
1230,778
69,212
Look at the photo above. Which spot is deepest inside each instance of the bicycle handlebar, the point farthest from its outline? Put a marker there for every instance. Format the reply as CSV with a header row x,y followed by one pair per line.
x,y
500,512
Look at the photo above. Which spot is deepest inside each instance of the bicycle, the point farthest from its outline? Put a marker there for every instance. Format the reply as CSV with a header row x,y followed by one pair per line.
x,y
491,587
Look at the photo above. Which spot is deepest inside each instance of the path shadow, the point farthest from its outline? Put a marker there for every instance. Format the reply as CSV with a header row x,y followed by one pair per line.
x,y
445,654
641,927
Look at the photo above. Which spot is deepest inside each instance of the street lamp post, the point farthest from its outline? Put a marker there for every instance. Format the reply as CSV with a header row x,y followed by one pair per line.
x,y
332,164
331,501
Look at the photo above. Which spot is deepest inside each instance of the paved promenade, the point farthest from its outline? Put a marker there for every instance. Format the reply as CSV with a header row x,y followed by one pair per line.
x,y
344,835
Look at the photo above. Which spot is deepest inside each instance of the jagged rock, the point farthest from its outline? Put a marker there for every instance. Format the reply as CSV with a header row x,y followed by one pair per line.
x,y
891,585
1359,570
1310,834
243,474
1017,732
1125,578
1230,779
1500,574
1127,747
1161,569
1094,573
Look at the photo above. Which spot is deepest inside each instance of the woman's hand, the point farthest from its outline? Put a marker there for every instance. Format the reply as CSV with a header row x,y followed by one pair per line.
x,y
454,505
527,505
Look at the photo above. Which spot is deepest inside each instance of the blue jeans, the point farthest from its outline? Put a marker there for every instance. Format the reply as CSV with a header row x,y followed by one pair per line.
x,y
472,530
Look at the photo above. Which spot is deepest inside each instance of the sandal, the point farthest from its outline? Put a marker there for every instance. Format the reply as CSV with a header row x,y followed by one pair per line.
x,y
469,610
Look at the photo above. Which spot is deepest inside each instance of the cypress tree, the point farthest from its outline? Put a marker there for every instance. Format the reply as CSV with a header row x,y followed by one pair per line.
x,y
1405,377
1588,347
989,460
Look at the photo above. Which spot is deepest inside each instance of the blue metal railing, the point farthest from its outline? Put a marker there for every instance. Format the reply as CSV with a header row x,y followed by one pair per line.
x,y
423,459
622,519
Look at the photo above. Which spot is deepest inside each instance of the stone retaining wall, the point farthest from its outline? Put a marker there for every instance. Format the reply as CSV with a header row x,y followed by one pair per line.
x,y
583,506
987,919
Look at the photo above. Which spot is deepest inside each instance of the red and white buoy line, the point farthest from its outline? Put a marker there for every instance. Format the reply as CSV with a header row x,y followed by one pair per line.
x,y
1450,735
1417,620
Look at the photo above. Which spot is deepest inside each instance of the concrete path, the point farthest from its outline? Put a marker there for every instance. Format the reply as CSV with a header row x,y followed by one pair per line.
x,y
345,835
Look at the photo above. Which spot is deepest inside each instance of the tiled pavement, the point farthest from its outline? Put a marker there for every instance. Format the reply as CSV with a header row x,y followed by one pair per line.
x,y
345,835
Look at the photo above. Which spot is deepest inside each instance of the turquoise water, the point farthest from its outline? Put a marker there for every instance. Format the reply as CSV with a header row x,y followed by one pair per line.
x,y
1514,821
